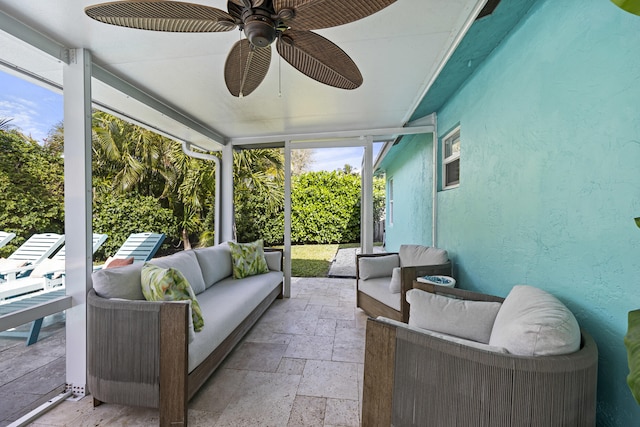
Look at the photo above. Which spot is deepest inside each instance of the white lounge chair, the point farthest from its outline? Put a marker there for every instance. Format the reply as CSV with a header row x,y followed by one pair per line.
x,y
48,274
36,249
6,237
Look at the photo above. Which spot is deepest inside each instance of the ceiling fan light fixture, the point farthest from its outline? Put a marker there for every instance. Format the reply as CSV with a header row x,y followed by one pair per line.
x,y
259,29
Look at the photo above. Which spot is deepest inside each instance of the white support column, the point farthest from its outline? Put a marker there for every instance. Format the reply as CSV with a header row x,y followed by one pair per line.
x,y
226,205
287,219
77,206
366,211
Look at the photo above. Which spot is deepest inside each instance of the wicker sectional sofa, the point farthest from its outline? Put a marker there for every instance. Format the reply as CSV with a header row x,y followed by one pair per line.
x,y
144,353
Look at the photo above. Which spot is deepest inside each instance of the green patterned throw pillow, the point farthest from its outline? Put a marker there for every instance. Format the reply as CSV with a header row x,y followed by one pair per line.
x,y
168,284
248,259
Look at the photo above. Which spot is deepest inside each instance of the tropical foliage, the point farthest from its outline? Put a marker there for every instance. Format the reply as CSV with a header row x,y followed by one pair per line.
x,y
145,182
31,188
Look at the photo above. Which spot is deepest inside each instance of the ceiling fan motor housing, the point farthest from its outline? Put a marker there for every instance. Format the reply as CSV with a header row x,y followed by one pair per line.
x,y
259,27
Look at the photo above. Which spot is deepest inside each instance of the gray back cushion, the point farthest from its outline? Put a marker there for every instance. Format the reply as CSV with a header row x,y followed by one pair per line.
x,y
215,263
472,320
533,322
377,266
120,282
274,260
187,264
416,255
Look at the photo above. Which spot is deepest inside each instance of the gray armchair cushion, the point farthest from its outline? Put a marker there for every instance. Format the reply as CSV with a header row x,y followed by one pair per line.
x,y
395,285
378,266
472,320
415,255
533,322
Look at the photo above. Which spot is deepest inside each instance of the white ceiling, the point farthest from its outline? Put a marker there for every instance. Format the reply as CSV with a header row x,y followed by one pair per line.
x,y
398,50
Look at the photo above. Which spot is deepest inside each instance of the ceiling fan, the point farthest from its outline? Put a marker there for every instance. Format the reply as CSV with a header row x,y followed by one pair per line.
x,y
287,22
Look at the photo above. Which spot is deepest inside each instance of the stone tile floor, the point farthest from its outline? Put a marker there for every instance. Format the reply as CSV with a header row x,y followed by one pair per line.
x,y
300,365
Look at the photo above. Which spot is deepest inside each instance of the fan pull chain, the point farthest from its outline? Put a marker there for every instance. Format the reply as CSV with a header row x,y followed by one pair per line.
x,y
279,76
241,95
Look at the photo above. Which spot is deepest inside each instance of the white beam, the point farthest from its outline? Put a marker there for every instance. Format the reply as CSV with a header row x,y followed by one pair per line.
x,y
32,37
287,219
154,103
377,134
77,206
226,202
366,210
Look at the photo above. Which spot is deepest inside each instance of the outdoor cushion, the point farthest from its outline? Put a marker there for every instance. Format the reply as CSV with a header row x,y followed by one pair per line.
x,y
472,320
240,298
274,259
416,255
533,322
215,263
451,338
378,266
47,266
248,259
395,285
169,284
11,264
112,262
187,263
378,289
122,282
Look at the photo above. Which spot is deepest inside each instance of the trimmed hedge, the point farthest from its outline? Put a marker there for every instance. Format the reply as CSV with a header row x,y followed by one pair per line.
x,y
325,208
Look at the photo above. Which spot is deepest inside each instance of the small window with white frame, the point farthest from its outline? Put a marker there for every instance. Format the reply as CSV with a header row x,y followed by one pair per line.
x,y
391,201
451,159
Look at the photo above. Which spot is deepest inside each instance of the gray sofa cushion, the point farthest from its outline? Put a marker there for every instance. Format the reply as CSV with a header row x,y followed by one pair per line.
x,y
274,259
215,263
121,282
224,306
187,264
472,320
415,255
533,322
378,266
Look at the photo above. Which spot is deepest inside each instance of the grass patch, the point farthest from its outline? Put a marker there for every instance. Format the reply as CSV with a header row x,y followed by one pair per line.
x,y
314,260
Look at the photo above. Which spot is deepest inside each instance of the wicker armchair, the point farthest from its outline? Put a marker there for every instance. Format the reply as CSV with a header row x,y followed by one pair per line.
x,y
415,379
375,304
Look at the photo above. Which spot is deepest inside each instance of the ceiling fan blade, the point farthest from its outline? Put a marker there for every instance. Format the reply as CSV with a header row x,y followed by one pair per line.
x,y
317,14
162,15
319,58
246,67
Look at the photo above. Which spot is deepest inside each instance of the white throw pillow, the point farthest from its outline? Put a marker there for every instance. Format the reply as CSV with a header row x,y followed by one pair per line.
x,y
533,322
472,320
377,266
395,286
416,255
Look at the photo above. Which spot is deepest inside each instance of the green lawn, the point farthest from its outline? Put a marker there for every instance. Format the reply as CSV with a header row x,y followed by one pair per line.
x,y
314,260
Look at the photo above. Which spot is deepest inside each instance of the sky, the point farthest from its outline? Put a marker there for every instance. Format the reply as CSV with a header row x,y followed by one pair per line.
x,y
36,110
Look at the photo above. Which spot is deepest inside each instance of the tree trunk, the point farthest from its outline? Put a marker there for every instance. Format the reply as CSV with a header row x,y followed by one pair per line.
x,y
185,240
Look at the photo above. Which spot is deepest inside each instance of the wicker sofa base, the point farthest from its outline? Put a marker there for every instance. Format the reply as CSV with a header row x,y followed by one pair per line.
x,y
160,378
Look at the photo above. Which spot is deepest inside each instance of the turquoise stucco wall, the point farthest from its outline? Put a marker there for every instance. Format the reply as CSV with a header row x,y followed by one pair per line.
x,y
550,175
412,177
